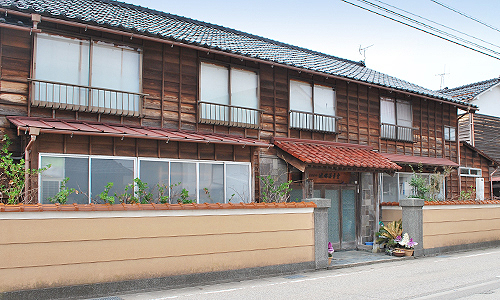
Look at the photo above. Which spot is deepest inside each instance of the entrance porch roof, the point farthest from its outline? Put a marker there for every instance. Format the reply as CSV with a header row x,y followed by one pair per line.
x,y
323,153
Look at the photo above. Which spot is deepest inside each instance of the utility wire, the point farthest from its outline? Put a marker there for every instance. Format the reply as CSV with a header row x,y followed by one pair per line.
x,y
437,23
428,26
466,15
417,28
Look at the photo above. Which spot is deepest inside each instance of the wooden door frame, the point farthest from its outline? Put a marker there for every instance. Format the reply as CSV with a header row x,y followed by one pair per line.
x,y
357,208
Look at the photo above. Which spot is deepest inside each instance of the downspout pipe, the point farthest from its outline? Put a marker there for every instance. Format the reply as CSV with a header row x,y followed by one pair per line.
x,y
34,132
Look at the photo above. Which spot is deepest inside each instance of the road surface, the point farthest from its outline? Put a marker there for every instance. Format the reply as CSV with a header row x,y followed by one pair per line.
x,y
465,275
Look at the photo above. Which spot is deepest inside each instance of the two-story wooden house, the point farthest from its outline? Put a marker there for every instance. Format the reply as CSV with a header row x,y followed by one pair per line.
x,y
479,133
105,91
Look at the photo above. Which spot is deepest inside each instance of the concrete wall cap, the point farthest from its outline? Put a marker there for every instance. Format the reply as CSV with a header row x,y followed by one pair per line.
x,y
320,202
414,202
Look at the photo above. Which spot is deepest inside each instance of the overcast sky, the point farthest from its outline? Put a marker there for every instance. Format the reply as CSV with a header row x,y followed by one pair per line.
x,y
338,28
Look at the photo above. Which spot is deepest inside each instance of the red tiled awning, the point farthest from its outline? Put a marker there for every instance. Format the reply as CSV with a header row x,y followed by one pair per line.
x,y
78,127
430,161
335,154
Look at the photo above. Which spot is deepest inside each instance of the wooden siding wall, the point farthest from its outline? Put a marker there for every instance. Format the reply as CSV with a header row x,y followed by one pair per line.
x,y
471,159
171,73
15,62
486,135
359,107
429,117
171,78
464,128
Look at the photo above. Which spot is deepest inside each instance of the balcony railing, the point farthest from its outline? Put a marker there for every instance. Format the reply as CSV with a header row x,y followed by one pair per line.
x,y
312,121
228,115
60,95
395,132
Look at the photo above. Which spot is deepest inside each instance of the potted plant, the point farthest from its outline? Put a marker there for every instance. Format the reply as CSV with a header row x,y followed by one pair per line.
x,y
407,243
330,252
387,235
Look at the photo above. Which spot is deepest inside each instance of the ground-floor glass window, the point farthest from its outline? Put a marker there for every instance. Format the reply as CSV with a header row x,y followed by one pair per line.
x,y
168,180
397,187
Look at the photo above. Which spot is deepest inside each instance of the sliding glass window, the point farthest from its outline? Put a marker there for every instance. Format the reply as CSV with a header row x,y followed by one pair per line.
x,y
169,180
229,96
85,74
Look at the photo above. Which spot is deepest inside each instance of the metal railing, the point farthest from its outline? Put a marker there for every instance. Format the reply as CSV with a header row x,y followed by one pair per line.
x,y
228,115
395,132
313,122
45,93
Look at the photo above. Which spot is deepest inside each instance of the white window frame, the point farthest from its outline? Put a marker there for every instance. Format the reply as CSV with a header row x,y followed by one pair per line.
x,y
313,120
92,91
468,170
137,163
89,157
396,134
250,186
398,192
246,116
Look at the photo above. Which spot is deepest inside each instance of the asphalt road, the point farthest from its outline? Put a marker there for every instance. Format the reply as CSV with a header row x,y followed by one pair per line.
x,y
464,275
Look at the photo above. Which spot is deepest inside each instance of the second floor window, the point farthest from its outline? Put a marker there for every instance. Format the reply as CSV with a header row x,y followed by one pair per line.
x,y
312,106
470,172
449,133
229,96
89,75
396,119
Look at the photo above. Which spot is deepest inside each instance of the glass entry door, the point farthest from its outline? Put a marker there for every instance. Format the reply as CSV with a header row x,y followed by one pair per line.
x,y
342,214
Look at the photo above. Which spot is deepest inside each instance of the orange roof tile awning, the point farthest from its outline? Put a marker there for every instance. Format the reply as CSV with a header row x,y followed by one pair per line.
x,y
413,160
322,153
79,127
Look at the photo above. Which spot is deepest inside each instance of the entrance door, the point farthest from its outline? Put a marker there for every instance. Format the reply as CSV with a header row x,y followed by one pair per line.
x,y
341,215
348,220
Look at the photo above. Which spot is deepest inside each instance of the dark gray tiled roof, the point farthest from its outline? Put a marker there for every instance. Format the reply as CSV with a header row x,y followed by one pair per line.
x,y
133,18
469,91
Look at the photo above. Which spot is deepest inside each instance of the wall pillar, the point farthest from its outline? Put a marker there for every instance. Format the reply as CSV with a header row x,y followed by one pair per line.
x,y
413,222
320,231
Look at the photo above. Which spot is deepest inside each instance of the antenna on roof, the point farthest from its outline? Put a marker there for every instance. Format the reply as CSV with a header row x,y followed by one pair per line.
x,y
362,51
442,77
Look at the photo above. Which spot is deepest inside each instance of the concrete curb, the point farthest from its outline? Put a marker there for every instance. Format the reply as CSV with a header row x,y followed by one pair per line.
x,y
371,262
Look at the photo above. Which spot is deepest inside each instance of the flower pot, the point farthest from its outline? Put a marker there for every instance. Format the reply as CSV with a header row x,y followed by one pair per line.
x,y
408,252
398,252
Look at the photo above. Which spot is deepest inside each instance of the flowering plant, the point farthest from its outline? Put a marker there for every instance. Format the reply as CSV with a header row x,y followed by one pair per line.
x,y
388,234
405,241
330,249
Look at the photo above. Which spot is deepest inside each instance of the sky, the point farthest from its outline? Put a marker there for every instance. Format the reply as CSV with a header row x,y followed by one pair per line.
x,y
340,29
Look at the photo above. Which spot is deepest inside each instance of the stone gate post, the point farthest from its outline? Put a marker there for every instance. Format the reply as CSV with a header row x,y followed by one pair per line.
x,y
320,231
413,220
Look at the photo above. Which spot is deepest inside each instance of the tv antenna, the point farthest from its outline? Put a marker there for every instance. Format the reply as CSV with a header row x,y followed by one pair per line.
x,y
362,51
442,77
